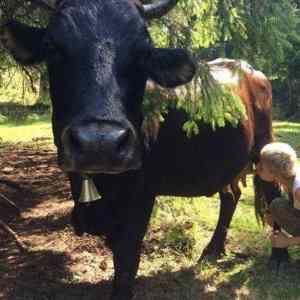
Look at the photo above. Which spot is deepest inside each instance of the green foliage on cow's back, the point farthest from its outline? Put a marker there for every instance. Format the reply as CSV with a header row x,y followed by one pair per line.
x,y
211,102
206,99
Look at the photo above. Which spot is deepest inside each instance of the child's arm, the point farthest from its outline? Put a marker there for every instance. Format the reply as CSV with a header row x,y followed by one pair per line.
x,y
297,198
294,241
281,240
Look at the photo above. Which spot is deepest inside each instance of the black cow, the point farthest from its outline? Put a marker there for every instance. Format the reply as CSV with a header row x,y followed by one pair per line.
x,y
99,56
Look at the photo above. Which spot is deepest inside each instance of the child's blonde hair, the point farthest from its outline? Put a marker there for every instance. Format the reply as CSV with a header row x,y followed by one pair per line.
x,y
280,158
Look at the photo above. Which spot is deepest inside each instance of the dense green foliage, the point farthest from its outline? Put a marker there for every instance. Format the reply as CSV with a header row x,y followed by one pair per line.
x,y
209,102
30,80
259,32
266,34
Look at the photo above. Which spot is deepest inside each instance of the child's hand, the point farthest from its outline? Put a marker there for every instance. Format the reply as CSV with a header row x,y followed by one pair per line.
x,y
280,240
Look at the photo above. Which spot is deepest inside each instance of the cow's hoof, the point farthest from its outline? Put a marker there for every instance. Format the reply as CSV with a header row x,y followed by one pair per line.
x,y
128,296
209,255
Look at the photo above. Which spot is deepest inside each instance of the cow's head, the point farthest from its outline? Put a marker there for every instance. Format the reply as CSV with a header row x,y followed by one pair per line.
x,y
99,56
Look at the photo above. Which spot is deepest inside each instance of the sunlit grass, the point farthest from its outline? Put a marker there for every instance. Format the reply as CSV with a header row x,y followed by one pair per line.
x,y
232,277
288,132
31,130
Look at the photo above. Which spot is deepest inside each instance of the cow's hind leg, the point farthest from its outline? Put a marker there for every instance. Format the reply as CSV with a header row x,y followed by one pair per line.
x,y
216,246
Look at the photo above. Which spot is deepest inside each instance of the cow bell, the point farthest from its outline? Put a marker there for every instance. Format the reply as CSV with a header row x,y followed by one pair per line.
x,y
89,192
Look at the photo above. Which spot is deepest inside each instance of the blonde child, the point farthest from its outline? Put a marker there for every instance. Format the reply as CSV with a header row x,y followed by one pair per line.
x,y
278,164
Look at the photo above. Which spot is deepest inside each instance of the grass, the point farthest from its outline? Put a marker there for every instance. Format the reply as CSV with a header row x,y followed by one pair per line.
x,y
33,130
20,123
234,276
37,130
181,228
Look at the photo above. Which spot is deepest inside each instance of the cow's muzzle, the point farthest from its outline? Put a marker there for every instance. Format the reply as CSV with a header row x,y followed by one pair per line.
x,y
100,147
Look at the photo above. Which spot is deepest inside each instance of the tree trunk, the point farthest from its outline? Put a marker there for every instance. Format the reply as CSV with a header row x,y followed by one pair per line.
x,y
44,88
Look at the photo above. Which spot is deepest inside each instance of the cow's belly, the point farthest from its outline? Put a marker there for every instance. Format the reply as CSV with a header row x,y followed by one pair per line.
x,y
201,165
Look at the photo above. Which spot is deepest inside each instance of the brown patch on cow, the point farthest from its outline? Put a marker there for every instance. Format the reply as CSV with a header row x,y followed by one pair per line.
x,y
261,90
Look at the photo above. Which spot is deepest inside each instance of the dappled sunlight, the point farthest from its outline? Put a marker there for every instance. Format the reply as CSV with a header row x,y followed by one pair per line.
x,y
20,123
235,277
26,133
278,125
81,267
15,87
232,277
51,275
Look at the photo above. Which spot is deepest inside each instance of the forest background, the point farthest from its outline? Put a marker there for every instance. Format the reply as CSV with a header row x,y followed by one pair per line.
x,y
264,33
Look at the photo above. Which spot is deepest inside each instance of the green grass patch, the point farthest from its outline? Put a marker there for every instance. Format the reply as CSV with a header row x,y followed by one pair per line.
x,y
288,132
181,228
35,130
19,123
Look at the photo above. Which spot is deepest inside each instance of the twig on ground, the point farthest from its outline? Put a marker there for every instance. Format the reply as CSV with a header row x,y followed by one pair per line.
x,y
19,243
4,199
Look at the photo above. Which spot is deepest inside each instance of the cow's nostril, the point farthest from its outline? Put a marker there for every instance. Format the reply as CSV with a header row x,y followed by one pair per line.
x,y
74,141
123,140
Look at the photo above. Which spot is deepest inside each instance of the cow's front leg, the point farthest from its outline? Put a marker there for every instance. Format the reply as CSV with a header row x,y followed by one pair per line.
x,y
126,247
216,246
126,256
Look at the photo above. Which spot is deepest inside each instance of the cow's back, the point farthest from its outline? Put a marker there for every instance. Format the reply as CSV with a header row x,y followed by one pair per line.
x,y
203,164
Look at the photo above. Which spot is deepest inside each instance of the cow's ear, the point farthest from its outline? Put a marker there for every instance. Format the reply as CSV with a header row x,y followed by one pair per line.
x,y
23,42
170,67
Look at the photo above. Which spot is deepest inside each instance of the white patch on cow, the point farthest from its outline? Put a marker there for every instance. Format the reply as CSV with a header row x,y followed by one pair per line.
x,y
228,72
225,76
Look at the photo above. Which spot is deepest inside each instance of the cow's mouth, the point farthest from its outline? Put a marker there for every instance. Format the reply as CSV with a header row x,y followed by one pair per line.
x,y
98,166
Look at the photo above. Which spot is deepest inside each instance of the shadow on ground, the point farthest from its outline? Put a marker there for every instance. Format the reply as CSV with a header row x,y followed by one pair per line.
x,y
64,267
45,275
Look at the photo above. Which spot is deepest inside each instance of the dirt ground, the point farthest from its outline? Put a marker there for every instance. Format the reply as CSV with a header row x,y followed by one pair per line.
x,y
59,264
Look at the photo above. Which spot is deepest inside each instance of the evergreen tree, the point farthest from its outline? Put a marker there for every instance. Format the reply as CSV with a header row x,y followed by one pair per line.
x,y
264,33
